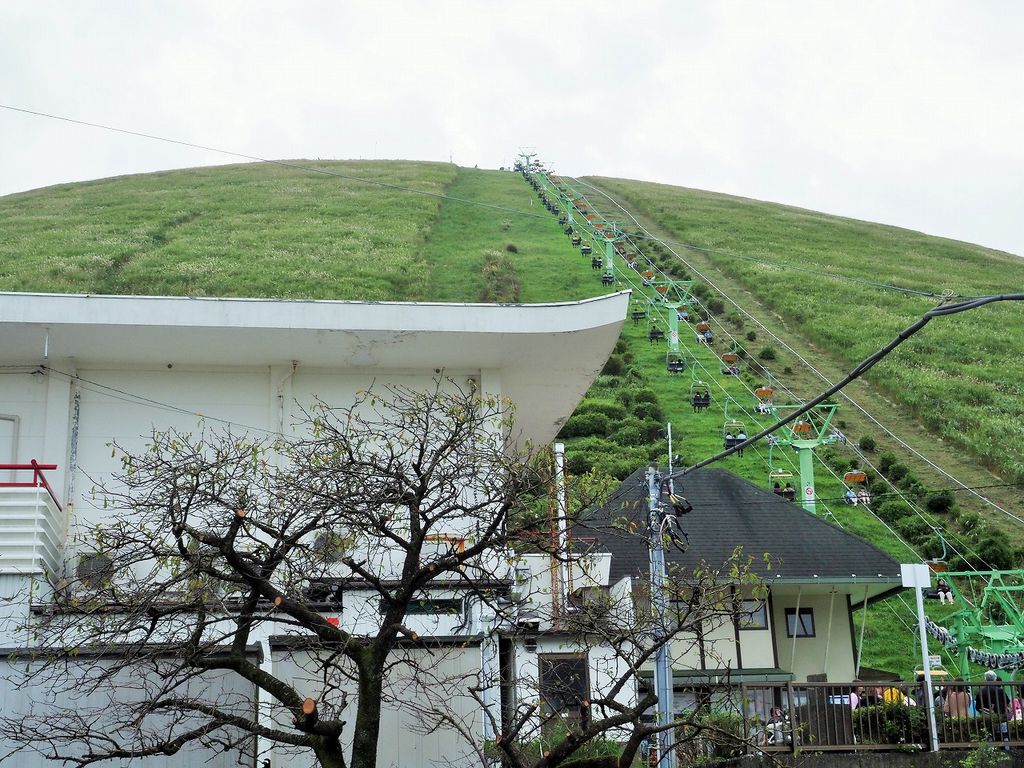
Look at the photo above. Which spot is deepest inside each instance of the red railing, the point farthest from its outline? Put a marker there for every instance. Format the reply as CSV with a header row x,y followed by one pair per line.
x,y
38,478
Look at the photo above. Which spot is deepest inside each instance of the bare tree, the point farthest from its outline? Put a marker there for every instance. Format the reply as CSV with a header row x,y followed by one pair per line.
x,y
405,506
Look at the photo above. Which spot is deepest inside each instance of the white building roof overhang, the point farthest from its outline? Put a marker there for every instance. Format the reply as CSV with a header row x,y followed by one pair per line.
x,y
546,355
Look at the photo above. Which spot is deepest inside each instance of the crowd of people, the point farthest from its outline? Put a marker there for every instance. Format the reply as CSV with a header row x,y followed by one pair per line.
x,y
990,704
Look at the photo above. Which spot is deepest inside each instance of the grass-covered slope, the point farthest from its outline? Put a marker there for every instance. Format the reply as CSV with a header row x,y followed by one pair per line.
x,y
268,230
243,230
961,377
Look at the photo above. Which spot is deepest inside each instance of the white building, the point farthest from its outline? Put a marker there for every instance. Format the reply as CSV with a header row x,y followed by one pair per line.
x,y
81,372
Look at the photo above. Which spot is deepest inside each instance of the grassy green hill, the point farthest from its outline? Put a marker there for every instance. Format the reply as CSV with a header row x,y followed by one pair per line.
x,y
962,378
268,230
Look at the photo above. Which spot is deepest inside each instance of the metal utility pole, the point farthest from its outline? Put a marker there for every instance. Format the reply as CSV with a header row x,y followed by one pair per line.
x,y
662,665
918,576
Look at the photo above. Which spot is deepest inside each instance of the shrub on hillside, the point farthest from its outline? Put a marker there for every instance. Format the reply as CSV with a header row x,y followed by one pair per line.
x,y
631,433
511,248
614,366
715,306
913,529
584,425
867,443
914,488
621,462
658,452
609,408
646,396
751,335
894,510
940,502
649,412
968,521
886,460
500,280
766,353
896,472
995,551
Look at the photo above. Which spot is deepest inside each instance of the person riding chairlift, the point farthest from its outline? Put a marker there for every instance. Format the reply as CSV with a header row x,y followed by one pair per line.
x,y
789,492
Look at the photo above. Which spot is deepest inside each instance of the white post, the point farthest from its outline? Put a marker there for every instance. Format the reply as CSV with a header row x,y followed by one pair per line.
x,y
918,576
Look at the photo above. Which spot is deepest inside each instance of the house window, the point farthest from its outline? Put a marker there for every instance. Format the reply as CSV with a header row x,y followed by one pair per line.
x,y
428,606
753,614
802,627
564,684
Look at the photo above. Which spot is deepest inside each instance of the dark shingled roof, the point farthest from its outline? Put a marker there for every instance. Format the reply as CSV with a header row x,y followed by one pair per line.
x,y
729,511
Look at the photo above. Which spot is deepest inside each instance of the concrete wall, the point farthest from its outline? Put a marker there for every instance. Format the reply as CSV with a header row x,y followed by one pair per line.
x,y
421,684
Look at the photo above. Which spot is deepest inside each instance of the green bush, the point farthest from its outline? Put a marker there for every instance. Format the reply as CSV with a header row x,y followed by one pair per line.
x,y
913,529
614,366
891,724
609,408
940,502
896,472
893,510
751,335
584,424
886,460
649,412
867,443
500,280
646,396
630,433
766,353
995,552
968,521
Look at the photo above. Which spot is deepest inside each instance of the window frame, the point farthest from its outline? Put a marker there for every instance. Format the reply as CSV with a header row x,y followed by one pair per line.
x,y
429,606
745,616
575,712
795,622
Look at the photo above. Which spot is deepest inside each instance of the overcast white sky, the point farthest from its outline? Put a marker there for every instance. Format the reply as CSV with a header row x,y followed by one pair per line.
x,y
908,113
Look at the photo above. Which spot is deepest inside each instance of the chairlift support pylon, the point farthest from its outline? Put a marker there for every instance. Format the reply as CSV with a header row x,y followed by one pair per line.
x,y
810,430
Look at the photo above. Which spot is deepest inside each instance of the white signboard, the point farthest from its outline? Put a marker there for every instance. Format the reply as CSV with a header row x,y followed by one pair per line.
x,y
916,575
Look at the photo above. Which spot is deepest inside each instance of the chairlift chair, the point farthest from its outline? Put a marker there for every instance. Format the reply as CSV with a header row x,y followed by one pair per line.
x,y
700,393
585,249
763,400
675,362
731,429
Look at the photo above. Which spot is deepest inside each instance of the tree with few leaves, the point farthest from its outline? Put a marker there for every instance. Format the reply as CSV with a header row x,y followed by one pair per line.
x,y
246,594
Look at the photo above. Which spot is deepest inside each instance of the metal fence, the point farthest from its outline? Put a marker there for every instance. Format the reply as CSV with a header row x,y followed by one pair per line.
x,y
782,717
